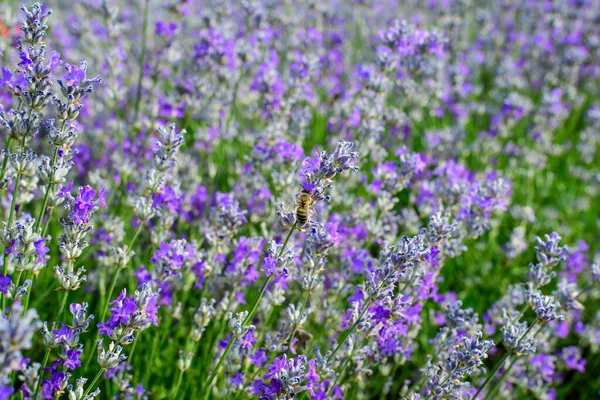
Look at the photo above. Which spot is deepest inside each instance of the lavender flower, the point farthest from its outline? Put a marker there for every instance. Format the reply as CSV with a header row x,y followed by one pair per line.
x,y
16,335
288,378
111,358
545,307
317,172
475,133
131,314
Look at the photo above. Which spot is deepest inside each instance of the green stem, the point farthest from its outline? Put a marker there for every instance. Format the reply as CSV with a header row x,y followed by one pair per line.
x,y
5,159
149,367
492,374
178,383
345,365
349,331
248,318
17,283
110,293
266,283
104,311
116,275
26,303
112,288
215,371
13,204
507,370
502,360
62,306
504,375
261,293
47,223
41,374
89,388
185,353
38,223
131,353
135,236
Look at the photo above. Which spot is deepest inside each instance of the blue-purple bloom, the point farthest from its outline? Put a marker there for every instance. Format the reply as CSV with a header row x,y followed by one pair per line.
x,y
274,272
131,314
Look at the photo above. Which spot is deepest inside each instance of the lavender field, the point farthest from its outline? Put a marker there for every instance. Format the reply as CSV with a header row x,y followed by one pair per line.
x,y
300,199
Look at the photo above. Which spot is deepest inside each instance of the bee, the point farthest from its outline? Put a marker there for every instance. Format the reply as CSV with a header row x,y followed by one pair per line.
x,y
304,206
303,337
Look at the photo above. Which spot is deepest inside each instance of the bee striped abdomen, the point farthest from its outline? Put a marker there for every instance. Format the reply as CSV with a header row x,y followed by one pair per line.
x,y
304,202
302,216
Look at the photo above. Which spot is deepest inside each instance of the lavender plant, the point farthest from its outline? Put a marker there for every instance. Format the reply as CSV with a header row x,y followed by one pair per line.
x,y
292,200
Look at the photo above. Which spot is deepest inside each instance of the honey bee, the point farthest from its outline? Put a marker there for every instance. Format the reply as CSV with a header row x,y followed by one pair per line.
x,y
303,337
304,203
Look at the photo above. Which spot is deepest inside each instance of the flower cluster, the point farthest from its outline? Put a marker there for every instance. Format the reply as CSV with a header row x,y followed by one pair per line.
x,y
16,335
287,378
130,314
325,200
